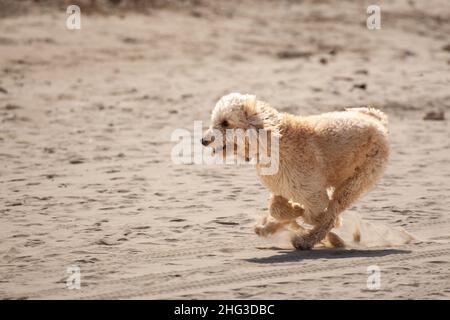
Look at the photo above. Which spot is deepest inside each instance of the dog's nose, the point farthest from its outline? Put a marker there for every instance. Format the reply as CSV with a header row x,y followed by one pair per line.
x,y
207,142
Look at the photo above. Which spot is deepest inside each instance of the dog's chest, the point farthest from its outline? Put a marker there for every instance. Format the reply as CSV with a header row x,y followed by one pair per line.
x,y
280,183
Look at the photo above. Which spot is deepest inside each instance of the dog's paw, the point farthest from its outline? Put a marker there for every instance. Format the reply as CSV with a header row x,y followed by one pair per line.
x,y
262,231
301,243
332,240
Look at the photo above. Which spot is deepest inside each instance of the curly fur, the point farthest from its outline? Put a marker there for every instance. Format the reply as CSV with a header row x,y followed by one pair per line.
x,y
346,152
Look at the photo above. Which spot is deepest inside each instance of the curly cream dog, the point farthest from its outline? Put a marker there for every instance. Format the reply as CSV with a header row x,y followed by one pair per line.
x,y
326,162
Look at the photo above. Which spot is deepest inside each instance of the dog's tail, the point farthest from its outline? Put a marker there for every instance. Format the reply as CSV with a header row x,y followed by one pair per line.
x,y
377,114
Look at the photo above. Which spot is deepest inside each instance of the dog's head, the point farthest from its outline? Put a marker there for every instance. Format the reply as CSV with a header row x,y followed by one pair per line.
x,y
235,114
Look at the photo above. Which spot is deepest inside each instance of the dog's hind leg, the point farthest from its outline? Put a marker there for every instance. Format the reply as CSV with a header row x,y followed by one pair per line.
x,y
316,214
363,179
320,230
282,214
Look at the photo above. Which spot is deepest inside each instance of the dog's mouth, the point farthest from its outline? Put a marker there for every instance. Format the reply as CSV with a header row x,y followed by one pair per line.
x,y
223,149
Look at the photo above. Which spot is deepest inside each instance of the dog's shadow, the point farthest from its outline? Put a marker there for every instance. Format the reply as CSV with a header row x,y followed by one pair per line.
x,y
293,256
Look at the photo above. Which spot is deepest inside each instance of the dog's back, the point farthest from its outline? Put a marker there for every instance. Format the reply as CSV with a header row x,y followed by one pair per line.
x,y
372,112
345,139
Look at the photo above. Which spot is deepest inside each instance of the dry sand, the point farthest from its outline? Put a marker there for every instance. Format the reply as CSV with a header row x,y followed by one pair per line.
x,y
86,177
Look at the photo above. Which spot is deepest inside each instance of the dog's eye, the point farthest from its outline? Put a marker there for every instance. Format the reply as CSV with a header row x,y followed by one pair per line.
x,y
225,123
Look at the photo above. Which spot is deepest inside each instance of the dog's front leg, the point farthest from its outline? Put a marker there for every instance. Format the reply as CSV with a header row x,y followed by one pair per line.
x,y
317,234
317,215
282,214
268,226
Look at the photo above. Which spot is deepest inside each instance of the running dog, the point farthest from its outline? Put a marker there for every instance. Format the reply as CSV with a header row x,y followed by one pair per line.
x,y
326,162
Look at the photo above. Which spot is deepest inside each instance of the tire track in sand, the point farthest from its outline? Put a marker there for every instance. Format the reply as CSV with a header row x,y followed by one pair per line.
x,y
275,272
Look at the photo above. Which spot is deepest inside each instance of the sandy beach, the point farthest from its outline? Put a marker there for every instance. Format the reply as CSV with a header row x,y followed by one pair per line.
x,y
87,179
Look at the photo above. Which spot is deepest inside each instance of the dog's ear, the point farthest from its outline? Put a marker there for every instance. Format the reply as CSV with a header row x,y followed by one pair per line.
x,y
260,115
249,104
266,120
252,113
